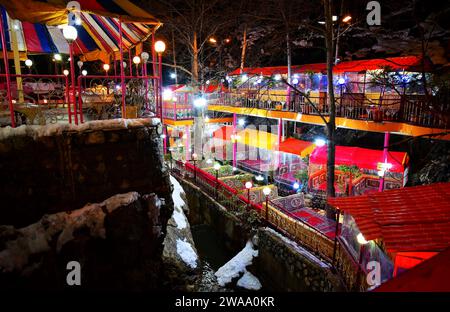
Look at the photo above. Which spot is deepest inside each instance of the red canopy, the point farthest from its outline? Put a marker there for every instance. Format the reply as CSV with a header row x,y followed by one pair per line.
x,y
270,71
362,157
408,63
214,88
297,147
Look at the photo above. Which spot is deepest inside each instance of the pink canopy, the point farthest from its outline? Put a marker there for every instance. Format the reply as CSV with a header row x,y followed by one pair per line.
x,y
361,157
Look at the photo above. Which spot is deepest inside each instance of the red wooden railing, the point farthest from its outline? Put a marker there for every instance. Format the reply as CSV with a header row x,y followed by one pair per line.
x,y
277,217
43,97
213,187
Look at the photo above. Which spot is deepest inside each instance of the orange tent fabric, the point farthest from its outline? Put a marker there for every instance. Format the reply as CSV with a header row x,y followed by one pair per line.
x,y
296,147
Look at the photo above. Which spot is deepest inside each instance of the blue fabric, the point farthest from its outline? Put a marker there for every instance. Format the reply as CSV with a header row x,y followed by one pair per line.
x,y
45,39
87,40
5,30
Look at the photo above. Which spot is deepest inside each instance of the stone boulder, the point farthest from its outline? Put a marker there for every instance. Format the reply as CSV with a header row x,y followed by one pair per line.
x,y
118,244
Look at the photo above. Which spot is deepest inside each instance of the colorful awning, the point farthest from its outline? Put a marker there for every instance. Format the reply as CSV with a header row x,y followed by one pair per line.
x,y
362,157
407,219
54,12
98,35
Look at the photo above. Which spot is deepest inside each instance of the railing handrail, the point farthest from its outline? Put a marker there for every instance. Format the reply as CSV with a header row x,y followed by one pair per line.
x,y
115,77
291,215
34,76
351,275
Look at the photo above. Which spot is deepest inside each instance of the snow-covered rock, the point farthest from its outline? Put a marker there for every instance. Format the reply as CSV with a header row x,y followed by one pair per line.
x,y
58,128
187,253
179,204
249,281
236,265
182,263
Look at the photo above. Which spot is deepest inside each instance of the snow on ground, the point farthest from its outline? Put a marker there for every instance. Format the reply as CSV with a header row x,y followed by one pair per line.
x,y
178,214
249,281
237,265
187,253
57,128
299,249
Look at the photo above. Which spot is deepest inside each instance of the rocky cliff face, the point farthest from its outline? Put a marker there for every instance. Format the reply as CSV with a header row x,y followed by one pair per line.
x,y
52,171
116,242
48,169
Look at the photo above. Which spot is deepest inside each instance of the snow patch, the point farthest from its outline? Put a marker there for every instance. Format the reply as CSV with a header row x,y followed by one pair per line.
x,y
299,249
179,203
187,253
36,131
249,281
176,194
237,265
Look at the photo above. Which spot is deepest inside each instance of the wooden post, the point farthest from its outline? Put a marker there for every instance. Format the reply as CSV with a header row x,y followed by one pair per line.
x,y
122,71
336,233
8,78
15,48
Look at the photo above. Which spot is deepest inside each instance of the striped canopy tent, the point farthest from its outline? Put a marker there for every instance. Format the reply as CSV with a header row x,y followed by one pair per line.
x,y
37,25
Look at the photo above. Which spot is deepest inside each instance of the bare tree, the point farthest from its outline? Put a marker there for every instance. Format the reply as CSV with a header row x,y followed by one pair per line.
x,y
193,22
331,124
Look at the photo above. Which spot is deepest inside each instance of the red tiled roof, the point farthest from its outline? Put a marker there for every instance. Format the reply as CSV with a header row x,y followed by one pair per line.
x,y
411,63
408,219
430,275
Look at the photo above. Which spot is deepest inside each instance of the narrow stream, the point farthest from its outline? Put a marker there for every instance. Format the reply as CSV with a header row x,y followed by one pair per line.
x,y
210,246
213,253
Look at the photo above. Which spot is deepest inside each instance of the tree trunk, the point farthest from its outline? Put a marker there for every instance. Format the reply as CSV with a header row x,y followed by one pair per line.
x,y
195,61
331,103
289,67
289,61
244,48
174,57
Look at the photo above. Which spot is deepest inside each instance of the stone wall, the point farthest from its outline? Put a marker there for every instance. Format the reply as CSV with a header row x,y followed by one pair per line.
x,y
118,244
48,169
284,266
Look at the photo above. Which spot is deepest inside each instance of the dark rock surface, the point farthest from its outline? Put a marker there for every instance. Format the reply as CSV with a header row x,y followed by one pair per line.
x,y
48,169
117,242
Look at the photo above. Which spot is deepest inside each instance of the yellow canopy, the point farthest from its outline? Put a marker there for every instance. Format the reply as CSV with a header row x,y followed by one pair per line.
x,y
54,12
260,139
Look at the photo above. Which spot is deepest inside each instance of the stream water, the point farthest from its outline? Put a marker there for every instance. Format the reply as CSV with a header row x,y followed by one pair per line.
x,y
213,253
